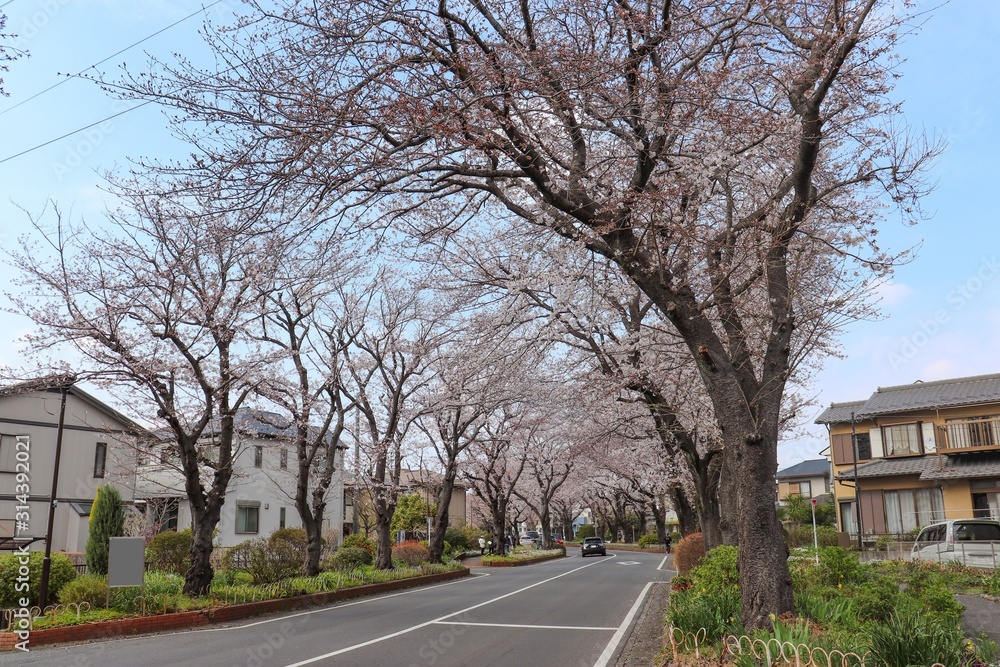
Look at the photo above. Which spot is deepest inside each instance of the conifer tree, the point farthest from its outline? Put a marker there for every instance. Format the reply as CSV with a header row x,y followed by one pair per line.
x,y
107,520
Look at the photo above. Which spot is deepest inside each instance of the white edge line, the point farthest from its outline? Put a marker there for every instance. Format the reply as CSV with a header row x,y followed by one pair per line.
x,y
612,646
662,563
520,625
425,624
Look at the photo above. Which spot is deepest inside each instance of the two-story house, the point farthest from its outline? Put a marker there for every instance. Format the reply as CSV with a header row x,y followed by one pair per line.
x,y
808,479
98,448
261,494
915,454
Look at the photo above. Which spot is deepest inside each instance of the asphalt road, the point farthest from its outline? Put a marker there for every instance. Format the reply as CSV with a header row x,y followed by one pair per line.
x,y
570,612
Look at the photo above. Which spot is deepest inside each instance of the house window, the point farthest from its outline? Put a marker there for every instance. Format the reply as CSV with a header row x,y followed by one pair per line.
x,y
863,442
910,509
800,489
281,518
847,522
258,457
100,458
247,517
901,440
284,461
8,460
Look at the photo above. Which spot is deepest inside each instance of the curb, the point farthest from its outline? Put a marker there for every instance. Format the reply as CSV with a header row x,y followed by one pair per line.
x,y
522,562
128,627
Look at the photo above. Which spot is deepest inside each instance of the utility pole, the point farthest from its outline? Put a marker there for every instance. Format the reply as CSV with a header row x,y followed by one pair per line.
x,y
47,562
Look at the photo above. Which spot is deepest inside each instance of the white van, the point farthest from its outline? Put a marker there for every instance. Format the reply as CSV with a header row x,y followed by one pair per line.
x,y
974,542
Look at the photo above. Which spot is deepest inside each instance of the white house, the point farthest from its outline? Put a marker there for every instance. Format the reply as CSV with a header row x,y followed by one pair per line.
x,y
261,494
98,448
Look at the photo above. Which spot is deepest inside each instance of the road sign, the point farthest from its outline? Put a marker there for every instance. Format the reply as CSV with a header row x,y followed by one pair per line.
x,y
814,501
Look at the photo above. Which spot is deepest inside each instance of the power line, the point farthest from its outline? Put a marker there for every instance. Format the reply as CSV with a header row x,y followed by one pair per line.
x,y
76,131
101,62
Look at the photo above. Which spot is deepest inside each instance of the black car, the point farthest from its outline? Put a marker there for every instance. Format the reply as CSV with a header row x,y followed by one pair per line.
x,y
593,545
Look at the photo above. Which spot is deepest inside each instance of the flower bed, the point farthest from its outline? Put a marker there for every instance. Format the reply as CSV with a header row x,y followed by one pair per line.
x,y
888,613
523,557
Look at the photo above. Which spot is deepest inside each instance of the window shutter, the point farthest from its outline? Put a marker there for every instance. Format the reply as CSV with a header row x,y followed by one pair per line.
x,y
928,432
878,452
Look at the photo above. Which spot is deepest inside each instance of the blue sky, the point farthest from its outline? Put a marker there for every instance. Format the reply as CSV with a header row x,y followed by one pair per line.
x,y
941,312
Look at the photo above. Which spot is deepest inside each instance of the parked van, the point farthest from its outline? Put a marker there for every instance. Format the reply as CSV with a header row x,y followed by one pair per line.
x,y
974,542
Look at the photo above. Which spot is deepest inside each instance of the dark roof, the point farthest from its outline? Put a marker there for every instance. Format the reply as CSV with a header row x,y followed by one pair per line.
x,y
911,465
839,413
930,468
938,394
811,468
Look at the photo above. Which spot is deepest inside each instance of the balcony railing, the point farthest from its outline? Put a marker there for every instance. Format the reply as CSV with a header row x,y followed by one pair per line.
x,y
971,435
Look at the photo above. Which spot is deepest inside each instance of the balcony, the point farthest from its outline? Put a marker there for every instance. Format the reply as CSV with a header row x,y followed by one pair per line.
x,y
970,435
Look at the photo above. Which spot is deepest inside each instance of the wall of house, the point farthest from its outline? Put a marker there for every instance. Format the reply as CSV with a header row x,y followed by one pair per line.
x,y
818,486
35,415
957,499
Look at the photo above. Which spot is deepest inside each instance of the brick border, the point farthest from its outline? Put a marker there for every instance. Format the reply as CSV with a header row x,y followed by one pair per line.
x,y
126,627
522,561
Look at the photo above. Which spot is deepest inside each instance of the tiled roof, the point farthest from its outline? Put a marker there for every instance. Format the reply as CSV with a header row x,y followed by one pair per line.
x,y
965,466
910,465
938,394
839,413
930,468
811,468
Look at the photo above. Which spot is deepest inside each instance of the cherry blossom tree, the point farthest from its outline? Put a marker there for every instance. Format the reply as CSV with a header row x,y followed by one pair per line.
x,y
733,159
163,300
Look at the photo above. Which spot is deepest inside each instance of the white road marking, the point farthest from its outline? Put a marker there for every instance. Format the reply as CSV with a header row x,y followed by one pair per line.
x,y
664,562
425,624
609,650
628,562
518,625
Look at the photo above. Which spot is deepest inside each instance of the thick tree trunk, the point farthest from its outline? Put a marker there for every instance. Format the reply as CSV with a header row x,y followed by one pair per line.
x,y
687,517
435,543
709,509
198,579
546,526
660,520
383,534
728,497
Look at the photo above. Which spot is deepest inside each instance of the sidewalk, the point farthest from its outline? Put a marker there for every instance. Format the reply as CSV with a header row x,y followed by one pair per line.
x,y
981,616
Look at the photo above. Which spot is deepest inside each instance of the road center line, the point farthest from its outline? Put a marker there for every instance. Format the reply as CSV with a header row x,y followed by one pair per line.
x,y
519,625
609,650
425,624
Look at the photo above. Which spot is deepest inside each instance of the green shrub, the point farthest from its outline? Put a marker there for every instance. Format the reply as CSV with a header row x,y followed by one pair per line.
x,y
718,611
89,588
914,639
359,541
839,566
586,530
649,540
163,583
991,584
717,570
107,520
264,562
170,551
876,601
457,538
349,558
832,609
61,572
289,538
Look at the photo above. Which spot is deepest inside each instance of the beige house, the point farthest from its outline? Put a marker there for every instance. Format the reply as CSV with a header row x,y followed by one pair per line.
x,y
809,479
915,454
358,514
97,449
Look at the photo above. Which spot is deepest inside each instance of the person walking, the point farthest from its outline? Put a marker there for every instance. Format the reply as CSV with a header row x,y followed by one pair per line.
x,y
667,540
482,545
